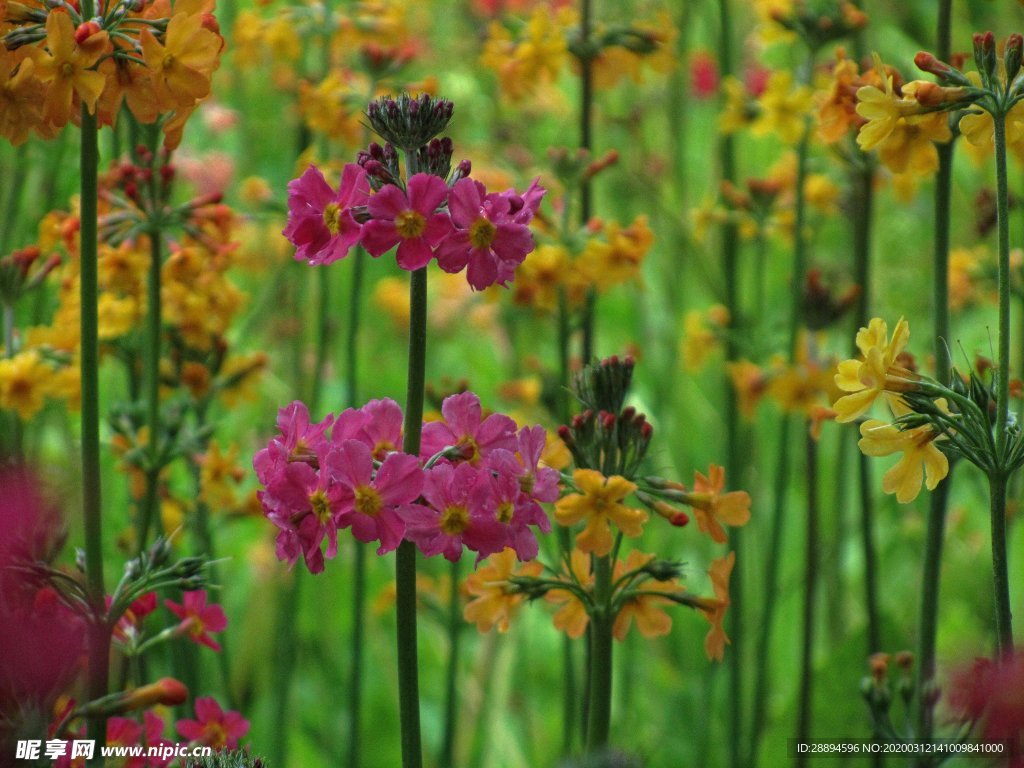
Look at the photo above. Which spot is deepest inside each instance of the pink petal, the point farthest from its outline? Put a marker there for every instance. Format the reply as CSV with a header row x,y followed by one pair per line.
x,y
379,237
413,254
388,203
426,192
399,479
464,201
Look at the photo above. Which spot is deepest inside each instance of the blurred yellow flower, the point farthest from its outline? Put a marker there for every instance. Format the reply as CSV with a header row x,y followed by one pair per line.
x,y
495,601
23,380
784,108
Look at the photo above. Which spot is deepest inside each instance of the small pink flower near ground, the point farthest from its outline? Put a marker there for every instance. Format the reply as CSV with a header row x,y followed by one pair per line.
x,y
320,221
408,219
213,726
198,619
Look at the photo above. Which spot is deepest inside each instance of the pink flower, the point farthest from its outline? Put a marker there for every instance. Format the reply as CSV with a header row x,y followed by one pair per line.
x,y
373,504
304,503
703,75
214,727
378,424
125,732
992,693
299,441
199,619
490,235
465,427
456,516
320,222
408,219
131,620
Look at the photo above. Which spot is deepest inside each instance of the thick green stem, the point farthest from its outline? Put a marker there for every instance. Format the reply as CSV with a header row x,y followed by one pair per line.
x,y
405,557
99,637
805,705
600,708
451,696
998,475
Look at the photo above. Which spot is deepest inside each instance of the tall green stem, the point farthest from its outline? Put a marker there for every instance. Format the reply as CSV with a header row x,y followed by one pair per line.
x,y
812,546
151,358
405,557
451,695
998,475
586,143
938,503
730,253
359,564
600,709
99,636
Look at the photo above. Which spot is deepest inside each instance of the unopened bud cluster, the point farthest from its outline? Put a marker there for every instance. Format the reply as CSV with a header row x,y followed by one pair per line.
x,y
409,122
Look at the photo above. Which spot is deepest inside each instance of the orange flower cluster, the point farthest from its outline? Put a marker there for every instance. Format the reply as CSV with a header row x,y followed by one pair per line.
x,y
156,58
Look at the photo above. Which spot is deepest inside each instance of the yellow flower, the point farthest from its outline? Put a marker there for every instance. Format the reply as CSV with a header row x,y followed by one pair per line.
x,y
67,68
750,384
494,603
783,108
712,507
877,373
599,503
701,340
22,383
921,459
896,126
651,620
738,111
572,617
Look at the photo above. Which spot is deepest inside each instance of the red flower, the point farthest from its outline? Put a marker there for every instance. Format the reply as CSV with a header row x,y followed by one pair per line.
x,y
992,693
214,727
198,618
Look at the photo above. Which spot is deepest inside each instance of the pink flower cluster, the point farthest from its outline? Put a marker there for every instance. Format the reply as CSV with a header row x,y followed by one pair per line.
x,y
476,484
465,226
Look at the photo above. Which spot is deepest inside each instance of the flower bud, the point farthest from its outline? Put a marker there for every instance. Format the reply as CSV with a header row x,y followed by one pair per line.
x,y
927,62
985,56
1012,55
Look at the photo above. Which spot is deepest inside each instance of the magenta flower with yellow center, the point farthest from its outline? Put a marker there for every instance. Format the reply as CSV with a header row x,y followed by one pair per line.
x,y
199,619
320,222
408,219
599,503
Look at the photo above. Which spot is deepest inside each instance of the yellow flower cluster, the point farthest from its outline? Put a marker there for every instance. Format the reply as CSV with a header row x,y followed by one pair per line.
x,y
155,60
533,57
612,255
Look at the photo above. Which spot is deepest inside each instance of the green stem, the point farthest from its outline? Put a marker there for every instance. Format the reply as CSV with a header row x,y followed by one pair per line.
x,y
289,599
15,446
447,758
12,194
586,143
359,565
600,708
151,356
805,709
323,337
773,558
405,557
862,200
998,476
924,701
99,636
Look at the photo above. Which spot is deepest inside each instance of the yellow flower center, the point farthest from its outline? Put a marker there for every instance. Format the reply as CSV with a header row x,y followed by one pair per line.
x,y
481,233
214,735
367,500
67,69
321,508
505,511
454,519
168,61
410,224
332,217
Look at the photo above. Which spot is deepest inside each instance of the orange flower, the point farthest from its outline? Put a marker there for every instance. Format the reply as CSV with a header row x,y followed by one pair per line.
x,y
712,507
600,502
494,603
714,608
181,67
651,620
65,65
572,617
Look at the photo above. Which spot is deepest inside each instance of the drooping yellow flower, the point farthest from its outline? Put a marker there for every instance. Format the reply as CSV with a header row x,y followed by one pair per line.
x,y
651,620
897,125
876,373
494,602
712,507
921,460
599,503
